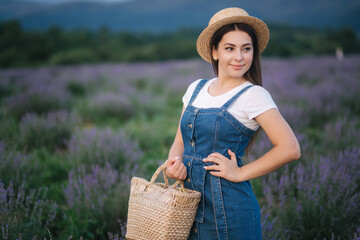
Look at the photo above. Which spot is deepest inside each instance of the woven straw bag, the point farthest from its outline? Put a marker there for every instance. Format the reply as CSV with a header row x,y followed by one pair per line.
x,y
159,211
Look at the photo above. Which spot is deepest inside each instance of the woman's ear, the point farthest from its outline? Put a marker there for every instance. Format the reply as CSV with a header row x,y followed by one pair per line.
x,y
214,54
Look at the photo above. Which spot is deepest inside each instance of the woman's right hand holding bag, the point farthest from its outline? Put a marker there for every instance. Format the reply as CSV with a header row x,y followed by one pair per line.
x,y
176,169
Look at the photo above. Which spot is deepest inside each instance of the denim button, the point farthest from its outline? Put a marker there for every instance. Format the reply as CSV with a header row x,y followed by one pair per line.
x,y
188,180
195,230
192,143
195,110
188,164
190,125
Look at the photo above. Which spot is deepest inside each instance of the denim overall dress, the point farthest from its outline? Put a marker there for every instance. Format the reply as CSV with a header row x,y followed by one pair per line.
x,y
227,210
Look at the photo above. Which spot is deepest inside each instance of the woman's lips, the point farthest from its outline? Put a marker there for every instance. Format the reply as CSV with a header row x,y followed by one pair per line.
x,y
237,67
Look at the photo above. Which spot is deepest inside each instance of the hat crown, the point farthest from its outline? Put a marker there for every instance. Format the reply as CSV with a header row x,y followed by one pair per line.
x,y
227,13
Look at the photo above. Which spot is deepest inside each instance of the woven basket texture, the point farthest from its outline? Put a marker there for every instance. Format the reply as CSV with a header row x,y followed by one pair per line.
x,y
158,211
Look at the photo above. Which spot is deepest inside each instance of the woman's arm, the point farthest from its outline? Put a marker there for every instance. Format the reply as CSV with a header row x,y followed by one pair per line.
x,y
285,149
175,168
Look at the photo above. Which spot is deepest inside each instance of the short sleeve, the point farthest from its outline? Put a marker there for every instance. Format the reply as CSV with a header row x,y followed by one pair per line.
x,y
187,96
258,100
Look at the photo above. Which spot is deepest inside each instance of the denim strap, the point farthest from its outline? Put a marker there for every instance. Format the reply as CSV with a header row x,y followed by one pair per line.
x,y
236,96
197,90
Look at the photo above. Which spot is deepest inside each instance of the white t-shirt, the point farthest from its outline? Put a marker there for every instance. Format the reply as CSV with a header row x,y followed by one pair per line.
x,y
245,108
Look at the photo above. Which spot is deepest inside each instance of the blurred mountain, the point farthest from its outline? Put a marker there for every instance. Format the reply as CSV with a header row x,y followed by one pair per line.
x,y
160,15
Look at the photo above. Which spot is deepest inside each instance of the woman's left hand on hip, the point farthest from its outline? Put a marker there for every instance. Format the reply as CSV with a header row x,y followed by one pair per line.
x,y
223,167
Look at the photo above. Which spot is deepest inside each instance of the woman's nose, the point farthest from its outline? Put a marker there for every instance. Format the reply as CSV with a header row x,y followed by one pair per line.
x,y
238,55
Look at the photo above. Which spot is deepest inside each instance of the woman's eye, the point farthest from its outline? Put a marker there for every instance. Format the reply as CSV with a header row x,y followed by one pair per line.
x,y
247,49
229,48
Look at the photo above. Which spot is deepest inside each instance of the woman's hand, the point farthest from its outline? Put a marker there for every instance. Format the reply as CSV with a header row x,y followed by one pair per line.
x,y
224,167
175,169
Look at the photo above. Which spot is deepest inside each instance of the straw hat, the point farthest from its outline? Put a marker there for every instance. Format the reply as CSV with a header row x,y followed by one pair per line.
x,y
225,17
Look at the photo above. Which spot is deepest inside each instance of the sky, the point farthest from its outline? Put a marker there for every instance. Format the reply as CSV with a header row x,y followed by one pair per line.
x,y
63,1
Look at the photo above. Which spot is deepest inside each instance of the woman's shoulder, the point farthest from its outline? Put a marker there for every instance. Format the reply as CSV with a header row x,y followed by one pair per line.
x,y
189,91
257,96
193,85
196,82
257,91
255,101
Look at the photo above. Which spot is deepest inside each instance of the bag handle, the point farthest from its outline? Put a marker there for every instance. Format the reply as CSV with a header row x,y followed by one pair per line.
x,y
163,168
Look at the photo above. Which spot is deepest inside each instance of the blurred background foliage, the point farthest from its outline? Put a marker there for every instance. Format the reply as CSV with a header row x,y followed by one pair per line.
x,y
55,46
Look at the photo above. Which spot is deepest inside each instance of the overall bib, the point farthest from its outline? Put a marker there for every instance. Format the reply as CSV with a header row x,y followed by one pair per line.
x,y
227,210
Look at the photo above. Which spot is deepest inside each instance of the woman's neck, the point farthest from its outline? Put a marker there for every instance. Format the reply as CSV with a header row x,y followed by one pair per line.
x,y
222,85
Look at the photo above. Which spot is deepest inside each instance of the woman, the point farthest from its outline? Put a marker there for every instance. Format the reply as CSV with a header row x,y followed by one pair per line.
x,y
218,123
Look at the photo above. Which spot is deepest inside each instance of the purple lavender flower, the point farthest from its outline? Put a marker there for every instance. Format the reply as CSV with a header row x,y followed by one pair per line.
x,y
12,165
85,189
93,146
324,189
98,194
51,131
112,105
23,214
39,99
122,234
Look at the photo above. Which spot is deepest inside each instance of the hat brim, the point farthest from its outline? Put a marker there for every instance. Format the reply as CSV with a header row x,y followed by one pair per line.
x,y
261,30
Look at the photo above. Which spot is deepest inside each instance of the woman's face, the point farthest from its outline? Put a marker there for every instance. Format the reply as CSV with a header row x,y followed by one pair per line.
x,y
234,53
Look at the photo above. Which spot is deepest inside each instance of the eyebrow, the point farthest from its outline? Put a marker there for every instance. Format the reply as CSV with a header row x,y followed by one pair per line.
x,y
233,45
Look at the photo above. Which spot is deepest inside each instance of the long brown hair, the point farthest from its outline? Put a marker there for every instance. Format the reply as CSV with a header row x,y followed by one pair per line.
x,y
253,75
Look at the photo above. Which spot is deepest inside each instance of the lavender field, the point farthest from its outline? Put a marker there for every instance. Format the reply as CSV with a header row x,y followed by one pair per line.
x,y
72,137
